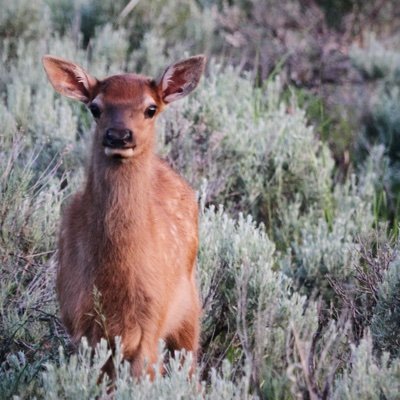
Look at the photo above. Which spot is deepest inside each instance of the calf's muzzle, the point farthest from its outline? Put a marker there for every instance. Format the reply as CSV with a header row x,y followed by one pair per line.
x,y
118,138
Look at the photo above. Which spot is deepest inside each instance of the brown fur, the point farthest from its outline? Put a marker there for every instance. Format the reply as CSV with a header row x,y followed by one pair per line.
x,y
131,233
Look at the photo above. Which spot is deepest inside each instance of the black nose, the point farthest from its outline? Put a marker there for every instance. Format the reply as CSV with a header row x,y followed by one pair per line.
x,y
118,138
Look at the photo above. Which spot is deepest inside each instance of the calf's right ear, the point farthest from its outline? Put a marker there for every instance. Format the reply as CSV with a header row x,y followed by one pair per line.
x,y
181,78
69,79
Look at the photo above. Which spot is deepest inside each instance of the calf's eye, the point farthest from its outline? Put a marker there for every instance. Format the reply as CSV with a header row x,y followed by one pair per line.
x,y
150,111
95,110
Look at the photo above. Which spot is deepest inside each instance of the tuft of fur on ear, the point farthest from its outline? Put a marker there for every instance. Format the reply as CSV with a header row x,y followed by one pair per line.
x,y
69,79
181,78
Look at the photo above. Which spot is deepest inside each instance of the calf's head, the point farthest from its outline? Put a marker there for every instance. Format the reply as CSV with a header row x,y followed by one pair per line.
x,y
124,106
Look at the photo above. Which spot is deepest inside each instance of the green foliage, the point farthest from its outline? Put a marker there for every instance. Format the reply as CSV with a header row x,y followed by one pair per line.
x,y
381,123
30,205
368,377
386,320
23,19
18,375
376,60
331,124
77,378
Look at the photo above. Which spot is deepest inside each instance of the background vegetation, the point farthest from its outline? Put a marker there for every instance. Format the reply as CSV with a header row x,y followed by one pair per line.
x,y
291,141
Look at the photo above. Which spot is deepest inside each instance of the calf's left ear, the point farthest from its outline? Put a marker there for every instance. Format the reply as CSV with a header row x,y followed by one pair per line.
x,y
181,78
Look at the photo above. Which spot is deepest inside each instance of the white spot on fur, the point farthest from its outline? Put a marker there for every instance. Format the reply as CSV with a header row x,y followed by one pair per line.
x,y
179,216
174,230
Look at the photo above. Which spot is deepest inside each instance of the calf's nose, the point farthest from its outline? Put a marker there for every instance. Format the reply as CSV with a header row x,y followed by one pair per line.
x,y
118,138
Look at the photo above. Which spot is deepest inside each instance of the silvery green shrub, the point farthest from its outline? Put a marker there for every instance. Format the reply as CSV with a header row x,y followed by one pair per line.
x,y
22,19
77,377
251,313
368,377
385,324
380,125
29,215
376,60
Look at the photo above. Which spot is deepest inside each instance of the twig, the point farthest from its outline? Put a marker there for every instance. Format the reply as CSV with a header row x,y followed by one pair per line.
x,y
127,9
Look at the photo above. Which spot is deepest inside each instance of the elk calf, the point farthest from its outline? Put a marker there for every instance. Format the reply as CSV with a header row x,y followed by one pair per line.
x,y
131,233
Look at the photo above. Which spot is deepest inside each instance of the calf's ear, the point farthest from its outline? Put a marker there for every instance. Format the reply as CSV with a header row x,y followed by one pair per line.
x,y
181,78
69,79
